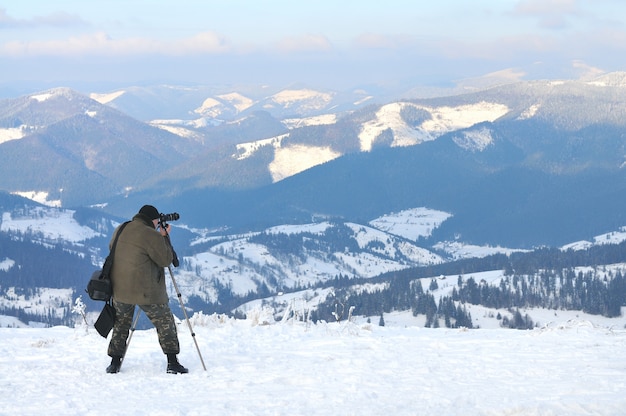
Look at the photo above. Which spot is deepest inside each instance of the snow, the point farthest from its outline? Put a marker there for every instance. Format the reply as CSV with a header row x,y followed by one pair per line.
x,y
42,97
474,140
363,100
365,235
178,130
40,197
314,228
240,264
443,120
212,107
208,108
237,100
530,112
458,250
389,117
324,119
14,133
6,264
290,160
107,97
411,223
571,364
41,301
52,224
304,98
573,367
197,123
246,150
614,237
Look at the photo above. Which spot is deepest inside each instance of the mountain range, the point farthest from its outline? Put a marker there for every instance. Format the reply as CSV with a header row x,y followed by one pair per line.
x,y
522,164
279,191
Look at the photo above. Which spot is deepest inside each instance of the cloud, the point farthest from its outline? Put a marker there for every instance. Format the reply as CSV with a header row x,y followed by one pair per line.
x,y
58,19
587,72
102,44
505,76
552,14
544,7
205,42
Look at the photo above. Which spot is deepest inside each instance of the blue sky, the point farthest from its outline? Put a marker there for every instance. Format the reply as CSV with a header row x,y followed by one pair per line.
x,y
339,44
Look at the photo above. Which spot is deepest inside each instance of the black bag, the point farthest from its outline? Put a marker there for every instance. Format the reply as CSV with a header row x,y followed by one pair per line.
x,y
100,286
106,320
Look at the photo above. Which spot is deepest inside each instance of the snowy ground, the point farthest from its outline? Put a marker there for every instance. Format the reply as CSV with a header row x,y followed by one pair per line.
x,y
565,368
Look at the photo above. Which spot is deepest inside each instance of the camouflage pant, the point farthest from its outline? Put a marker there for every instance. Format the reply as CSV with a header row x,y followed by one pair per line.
x,y
160,316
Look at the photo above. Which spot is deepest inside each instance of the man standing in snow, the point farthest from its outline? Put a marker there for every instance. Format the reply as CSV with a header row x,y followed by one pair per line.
x,y
138,278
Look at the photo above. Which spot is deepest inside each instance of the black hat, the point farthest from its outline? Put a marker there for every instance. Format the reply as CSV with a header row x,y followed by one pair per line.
x,y
151,212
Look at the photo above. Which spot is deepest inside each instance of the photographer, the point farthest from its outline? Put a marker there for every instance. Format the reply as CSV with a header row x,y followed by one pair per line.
x,y
138,279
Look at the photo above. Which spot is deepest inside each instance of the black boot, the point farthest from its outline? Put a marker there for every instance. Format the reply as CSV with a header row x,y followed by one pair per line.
x,y
173,366
116,364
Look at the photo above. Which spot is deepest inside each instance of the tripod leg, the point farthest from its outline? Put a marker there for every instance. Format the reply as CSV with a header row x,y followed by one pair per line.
x,y
182,306
132,331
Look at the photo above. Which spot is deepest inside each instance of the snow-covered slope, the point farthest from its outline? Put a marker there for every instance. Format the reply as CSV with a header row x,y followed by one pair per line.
x,y
286,258
567,368
50,224
242,262
442,120
290,159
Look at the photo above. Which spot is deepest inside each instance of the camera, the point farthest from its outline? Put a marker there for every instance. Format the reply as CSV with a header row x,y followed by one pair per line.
x,y
163,219
169,217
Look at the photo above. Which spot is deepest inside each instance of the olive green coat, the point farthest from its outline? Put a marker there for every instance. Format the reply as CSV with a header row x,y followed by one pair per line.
x,y
140,256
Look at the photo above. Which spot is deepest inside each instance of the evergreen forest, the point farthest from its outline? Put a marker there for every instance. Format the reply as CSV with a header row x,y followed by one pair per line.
x,y
545,278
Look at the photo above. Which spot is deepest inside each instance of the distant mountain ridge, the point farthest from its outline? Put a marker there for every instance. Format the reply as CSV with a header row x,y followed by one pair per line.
x,y
496,159
223,105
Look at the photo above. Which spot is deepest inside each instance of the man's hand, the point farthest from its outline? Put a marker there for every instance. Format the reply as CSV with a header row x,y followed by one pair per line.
x,y
165,231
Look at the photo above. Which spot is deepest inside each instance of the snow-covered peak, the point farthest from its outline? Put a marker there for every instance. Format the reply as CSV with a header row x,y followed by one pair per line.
x,y
300,101
445,119
106,97
237,100
613,79
53,93
41,97
442,120
210,108
224,105
390,117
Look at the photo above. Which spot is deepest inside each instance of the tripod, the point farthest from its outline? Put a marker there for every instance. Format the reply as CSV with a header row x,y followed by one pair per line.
x,y
175,262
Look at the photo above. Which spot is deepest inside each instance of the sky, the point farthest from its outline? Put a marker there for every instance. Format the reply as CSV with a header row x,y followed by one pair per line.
x,y
325,44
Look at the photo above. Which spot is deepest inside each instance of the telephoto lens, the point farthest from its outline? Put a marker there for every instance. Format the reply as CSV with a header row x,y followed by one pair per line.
x,y
170,217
